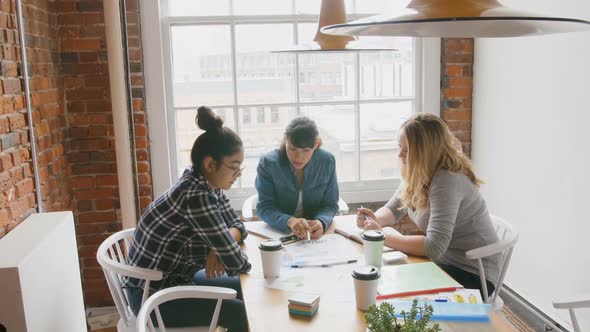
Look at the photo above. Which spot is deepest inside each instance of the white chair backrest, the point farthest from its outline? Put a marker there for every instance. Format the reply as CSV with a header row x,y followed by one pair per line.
x,y
250,205
181,292
111,256
574,302
507,238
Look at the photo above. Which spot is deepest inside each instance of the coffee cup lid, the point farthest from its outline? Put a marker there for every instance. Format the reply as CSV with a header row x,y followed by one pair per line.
x,y
373,235
271,245
366,273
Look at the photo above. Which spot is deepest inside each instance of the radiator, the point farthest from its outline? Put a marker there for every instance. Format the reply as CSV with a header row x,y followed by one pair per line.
x,y
40,287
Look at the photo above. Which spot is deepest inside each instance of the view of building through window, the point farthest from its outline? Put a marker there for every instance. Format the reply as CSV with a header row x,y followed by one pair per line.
x,y
358,100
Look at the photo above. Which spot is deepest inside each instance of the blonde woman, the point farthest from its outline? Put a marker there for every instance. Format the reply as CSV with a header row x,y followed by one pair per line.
x,y
439,193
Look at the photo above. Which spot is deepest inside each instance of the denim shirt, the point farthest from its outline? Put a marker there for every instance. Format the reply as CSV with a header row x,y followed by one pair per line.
x,y
278,191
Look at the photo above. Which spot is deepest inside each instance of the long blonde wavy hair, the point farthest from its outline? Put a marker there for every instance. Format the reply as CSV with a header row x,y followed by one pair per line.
x,y
431,146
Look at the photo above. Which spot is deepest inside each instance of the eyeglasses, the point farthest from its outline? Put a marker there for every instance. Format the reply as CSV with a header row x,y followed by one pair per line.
x,y
237,170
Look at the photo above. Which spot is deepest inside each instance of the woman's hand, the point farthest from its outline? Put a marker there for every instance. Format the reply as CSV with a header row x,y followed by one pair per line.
x,y
363,216
213,266
317,230
299,227
370,224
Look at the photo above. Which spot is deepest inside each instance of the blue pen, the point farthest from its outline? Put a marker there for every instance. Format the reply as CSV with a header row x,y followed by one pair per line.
x,y
350,261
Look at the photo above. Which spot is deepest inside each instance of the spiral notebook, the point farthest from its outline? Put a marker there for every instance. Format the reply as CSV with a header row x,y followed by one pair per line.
x,y
346,226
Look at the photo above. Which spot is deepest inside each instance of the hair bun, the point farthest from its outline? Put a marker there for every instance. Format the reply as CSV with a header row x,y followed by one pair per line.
x,y
207,120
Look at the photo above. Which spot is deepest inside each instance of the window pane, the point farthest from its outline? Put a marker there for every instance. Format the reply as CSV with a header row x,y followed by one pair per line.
x,y
379,6
265,77
198,7
262,7
313,6
260,138
187,132
201,75
336,126
379,130
388,74
326,77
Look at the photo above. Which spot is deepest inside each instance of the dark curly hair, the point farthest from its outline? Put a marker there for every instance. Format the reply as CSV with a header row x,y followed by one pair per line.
x,y
217,141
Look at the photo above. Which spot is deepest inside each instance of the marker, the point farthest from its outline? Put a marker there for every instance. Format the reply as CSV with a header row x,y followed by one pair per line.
x,y
308,236
350,261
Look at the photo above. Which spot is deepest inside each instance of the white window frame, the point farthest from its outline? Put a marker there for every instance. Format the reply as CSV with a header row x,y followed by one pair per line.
x,y
158,78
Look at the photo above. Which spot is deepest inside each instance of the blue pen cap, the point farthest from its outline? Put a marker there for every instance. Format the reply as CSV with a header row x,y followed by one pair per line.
x,y
366,273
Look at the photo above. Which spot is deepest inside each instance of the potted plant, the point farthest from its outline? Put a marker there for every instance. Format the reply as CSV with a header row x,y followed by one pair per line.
x,y
382,319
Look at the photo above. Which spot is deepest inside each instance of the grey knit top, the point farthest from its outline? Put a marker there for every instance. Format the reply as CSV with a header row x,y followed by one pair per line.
x,y
455,221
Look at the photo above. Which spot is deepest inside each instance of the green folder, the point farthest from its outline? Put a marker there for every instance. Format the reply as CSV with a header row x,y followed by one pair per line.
x,y
414,279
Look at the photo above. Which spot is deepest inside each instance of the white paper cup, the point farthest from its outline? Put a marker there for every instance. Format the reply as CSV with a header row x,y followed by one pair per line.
x,y
270,252
373,247
366,280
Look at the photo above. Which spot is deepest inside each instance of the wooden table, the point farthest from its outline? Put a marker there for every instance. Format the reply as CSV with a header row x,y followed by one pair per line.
x,y
267,308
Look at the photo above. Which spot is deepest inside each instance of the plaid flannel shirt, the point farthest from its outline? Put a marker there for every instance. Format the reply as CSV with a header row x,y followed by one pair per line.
x,y
178,229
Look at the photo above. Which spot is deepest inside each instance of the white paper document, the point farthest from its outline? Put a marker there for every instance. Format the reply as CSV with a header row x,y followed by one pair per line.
x,y
263,230
329,249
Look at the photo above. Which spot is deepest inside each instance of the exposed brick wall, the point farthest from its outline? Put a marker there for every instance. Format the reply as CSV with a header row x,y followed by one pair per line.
x,y
91,145
457,87
17,185
73,123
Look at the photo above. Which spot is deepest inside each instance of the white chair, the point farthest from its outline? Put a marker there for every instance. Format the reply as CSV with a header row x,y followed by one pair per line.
x,y
575,302
144,323
111,256
250,205
504,247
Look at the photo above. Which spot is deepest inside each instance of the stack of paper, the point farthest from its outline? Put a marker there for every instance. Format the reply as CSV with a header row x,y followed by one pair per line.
x,y
304,304
448,311
414,279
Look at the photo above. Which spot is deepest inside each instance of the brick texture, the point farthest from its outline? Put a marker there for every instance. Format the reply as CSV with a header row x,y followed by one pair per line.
x,y
18,198
457,87
73,123
90,144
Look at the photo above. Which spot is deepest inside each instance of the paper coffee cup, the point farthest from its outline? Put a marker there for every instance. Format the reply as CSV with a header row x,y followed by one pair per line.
x,y
270,252
373,247
366,280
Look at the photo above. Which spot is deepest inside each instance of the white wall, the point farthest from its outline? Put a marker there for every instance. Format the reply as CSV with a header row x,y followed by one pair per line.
x,y
531,144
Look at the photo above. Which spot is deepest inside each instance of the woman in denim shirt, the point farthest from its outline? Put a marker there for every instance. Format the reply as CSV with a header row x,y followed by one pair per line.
x,y
296,184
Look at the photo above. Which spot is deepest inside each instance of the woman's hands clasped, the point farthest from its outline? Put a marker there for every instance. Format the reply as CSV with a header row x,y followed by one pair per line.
x,y
301,227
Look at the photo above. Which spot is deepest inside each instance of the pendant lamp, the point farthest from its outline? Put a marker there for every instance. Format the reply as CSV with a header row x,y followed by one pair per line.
x,y
458,19
333,12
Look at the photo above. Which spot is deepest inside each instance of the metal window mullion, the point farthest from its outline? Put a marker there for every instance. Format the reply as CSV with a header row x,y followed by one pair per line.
x,y
417,63
169,89
297,89
357,114
235,82
309,103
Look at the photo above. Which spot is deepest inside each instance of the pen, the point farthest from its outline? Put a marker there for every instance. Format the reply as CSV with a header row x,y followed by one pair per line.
x,y
366,218
308,238
350,261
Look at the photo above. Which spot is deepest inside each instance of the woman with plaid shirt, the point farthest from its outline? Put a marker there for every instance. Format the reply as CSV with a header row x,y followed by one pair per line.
x,y
191,232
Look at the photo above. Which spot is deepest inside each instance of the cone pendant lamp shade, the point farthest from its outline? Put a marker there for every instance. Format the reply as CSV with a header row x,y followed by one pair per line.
x,y
332,12
457,19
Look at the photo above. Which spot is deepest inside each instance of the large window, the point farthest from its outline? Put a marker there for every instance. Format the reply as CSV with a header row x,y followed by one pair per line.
x,y
219,54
